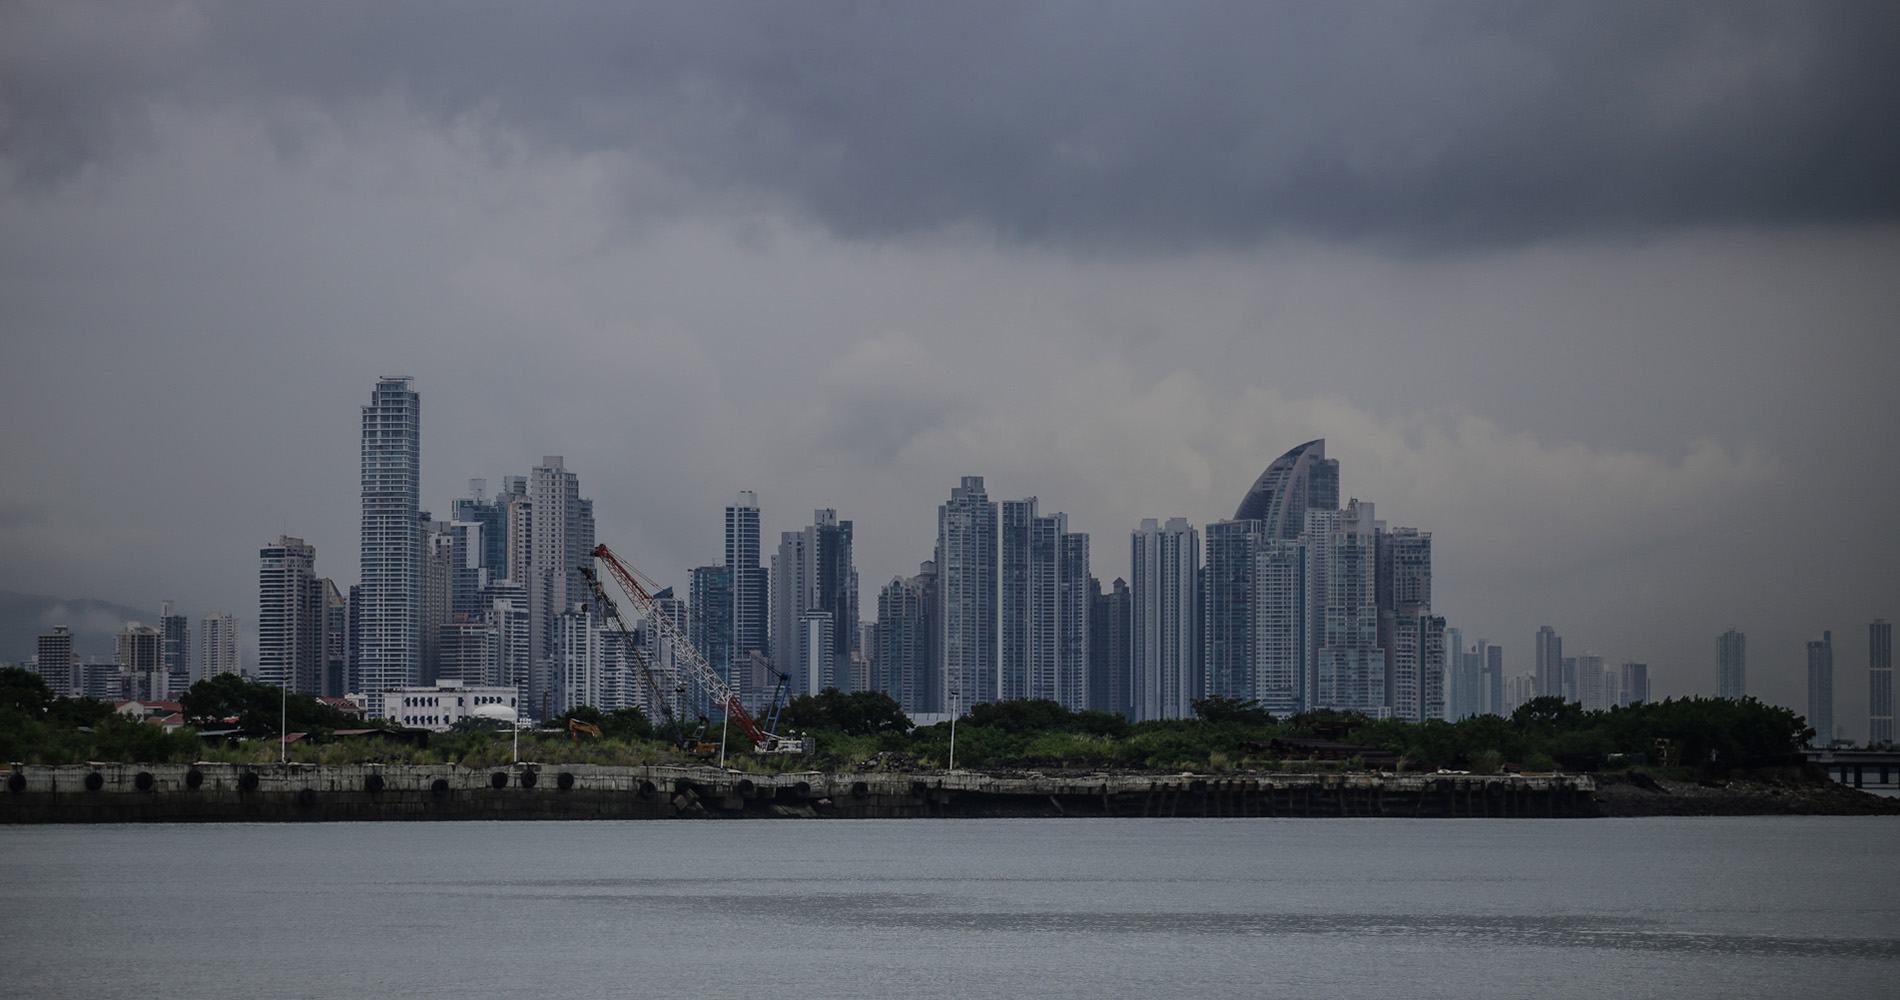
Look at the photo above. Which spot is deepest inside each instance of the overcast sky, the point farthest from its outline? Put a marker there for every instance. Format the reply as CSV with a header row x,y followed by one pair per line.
x,y
1606,296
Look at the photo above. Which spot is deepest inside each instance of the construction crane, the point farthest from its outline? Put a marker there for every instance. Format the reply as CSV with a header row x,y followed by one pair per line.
x,y
610,612
763,741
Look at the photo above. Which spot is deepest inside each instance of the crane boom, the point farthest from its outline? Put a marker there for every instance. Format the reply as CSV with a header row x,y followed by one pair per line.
x,y
696,665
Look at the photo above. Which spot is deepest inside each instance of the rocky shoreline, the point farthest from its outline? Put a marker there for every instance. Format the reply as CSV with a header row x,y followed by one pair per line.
x,y
1620,795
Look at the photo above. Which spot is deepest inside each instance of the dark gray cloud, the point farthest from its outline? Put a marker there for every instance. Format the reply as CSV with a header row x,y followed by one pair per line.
x,y
1115,124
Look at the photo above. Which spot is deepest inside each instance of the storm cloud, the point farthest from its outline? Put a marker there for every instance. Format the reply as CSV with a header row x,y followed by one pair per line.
x,y
1075,124
1601,294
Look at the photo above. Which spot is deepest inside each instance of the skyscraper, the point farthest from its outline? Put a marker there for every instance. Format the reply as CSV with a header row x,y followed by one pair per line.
x,y
55,661
1731,661
1302,479
1256,606
903,643
1111,630
1352,667
561,540
1549,647
751,642
176,647
389,619
813,572
140,656
1164,640
492,516
1042,616
709,601
217,645
966,597
1591,693
1821,688
291,608
1879,683
1635,686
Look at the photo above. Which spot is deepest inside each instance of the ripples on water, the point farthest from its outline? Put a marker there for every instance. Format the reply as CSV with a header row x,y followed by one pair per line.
x,y
1084,908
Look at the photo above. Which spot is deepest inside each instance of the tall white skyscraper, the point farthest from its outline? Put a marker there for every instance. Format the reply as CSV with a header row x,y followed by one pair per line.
x,y
966,597
388,634
1165,641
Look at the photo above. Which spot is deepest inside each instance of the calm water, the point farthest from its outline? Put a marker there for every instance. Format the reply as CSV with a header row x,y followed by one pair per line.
x,y
1769,907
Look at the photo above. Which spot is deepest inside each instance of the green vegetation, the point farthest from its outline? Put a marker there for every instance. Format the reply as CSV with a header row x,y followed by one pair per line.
x,y
37,728
1701,736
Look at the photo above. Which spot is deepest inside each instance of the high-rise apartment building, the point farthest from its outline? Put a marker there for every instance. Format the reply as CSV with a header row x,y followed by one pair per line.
x,y
709,599
813,572
902,652
1042,617
1164,635
491,554
751,637
560,541
1255,630
1635,686
1549,647
175,630
1731,662
291,611
55,662
966,597
1111,651
139,652
1352,665
1591,693
336,641
1879,683
217,645
1821,688
1303,479
388,635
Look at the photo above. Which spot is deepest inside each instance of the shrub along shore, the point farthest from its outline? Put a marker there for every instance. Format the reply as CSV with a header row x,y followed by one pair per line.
x,y
1699,742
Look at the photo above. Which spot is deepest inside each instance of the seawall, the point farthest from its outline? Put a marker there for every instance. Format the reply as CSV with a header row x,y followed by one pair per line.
x,y
126,793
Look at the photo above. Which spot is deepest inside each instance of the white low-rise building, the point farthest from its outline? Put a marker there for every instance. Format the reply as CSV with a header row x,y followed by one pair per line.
x,y
449,702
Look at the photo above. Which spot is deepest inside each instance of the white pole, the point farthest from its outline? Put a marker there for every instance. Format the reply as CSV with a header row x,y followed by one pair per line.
x,y
953,729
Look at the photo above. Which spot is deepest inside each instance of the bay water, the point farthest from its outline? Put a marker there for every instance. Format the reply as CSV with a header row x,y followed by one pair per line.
x,y
1099,908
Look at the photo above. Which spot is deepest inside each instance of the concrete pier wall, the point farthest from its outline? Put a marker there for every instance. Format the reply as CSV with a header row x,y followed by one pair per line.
x,y
119,793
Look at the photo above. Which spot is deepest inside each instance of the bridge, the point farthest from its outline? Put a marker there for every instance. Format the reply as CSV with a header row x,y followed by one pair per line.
x,y
1870,770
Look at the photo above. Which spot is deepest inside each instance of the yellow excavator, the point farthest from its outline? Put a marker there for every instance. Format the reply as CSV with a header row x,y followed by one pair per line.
x,y
576,727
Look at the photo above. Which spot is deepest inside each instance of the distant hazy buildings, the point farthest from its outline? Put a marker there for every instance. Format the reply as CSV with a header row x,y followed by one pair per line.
x,y
388,619
1731,664
1635,686
1549,648
966,596
901,657
217,645
1879,682
1821,688
1164,639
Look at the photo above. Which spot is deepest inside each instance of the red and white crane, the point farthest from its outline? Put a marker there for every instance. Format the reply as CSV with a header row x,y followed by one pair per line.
x,y
697,668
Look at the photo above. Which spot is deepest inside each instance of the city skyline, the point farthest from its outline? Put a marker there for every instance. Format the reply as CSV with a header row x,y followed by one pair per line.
x,y
1606,358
